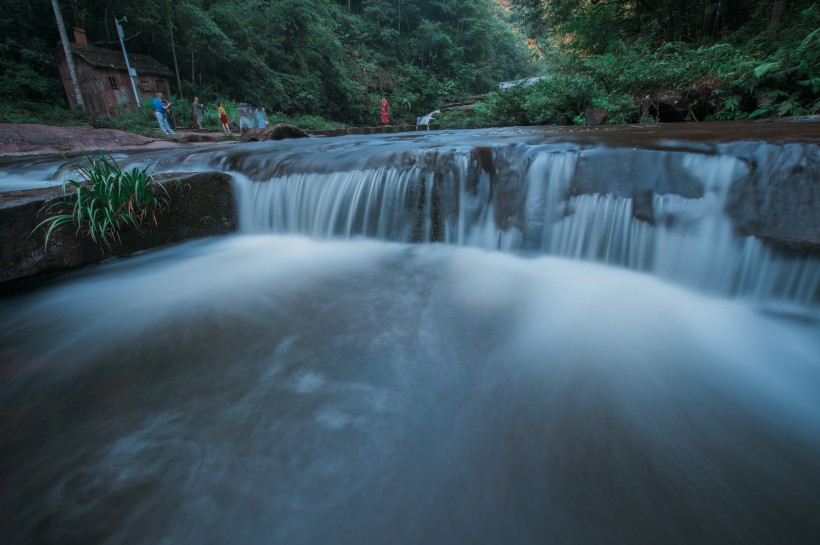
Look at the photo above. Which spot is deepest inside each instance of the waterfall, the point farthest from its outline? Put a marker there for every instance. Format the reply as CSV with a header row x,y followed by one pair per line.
x,y
426,118
573,339
546,201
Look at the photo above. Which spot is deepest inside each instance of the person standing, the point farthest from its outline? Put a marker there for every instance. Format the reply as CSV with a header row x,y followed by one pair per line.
x,y
160,110
198,112
385,117
223,118
245,117
261,117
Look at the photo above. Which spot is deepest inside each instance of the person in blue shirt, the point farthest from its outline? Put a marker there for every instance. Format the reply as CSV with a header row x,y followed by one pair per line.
x,y
160,111
245,120
261,117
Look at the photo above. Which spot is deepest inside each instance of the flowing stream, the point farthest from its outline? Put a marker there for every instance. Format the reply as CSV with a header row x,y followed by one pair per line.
x,y
468,337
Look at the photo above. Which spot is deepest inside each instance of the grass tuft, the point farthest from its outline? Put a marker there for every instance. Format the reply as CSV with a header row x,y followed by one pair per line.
x,y
104,199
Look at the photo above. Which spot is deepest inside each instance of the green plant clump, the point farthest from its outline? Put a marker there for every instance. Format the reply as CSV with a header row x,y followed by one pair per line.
x,y
105,199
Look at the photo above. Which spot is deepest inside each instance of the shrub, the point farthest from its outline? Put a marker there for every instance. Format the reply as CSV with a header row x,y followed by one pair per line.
x,y
46,114
306,122
621,108
464,119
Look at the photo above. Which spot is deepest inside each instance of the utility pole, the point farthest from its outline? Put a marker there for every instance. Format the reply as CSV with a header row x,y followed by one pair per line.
x,y
72,70
131,73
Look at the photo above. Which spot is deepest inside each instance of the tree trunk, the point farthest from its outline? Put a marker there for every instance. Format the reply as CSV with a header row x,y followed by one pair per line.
x,y
69,58
174,55
105,18
718,13
777,11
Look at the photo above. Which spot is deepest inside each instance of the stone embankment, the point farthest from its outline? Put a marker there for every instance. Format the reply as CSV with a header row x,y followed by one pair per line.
x,y
200,205
281,131
373,130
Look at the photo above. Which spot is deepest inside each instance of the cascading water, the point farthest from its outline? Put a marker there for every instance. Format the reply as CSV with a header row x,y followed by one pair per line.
x,y
449,196
424,120
435,339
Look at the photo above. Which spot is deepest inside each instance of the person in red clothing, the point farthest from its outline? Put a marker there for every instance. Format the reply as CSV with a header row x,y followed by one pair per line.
x,y
385,117
223,118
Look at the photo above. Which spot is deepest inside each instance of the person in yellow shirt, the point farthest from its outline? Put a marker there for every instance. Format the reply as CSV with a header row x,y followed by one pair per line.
x,y
223,117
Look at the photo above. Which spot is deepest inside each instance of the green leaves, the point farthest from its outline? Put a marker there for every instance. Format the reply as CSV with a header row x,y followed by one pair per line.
x,y
104,199
765,68
272,51
719,68
811,40
812,83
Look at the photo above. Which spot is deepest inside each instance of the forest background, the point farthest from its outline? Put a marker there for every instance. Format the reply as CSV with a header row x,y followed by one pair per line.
x,y
323,63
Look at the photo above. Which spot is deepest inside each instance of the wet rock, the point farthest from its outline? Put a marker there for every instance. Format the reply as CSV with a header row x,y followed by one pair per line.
x,y
642,206
669,108
780,201
16,139
200,205
624,171
279,131
594,117
483,156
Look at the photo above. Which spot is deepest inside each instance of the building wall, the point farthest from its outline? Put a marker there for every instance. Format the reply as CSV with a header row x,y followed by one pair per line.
x,y
148,84
107,91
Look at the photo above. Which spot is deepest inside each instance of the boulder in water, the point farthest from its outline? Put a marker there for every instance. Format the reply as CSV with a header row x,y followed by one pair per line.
x,y
594,117
279,131
642,205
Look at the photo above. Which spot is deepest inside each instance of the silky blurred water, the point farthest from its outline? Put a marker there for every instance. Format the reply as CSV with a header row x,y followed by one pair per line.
x,y
543,365
262,389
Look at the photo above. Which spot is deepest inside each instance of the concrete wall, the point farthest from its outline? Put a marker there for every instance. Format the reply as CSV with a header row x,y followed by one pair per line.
x,y
200,205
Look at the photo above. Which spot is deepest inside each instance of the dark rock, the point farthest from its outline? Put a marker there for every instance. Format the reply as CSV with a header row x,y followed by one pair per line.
x,y
200,205
642,207
594,117
670,108
780,201
774,191
280,131
483,156
625,171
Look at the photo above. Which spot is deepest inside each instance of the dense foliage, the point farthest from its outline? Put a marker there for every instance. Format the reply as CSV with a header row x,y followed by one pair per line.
x,y
327,58
667,59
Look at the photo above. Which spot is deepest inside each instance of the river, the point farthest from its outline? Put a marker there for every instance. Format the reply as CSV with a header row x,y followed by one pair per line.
x,y
462,337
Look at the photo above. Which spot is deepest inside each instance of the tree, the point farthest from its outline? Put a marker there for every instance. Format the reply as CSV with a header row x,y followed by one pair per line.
x,y
300,57
72,70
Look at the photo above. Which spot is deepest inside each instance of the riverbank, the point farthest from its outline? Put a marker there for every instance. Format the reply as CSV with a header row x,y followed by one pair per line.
x,y
32,139
24,140
21,140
